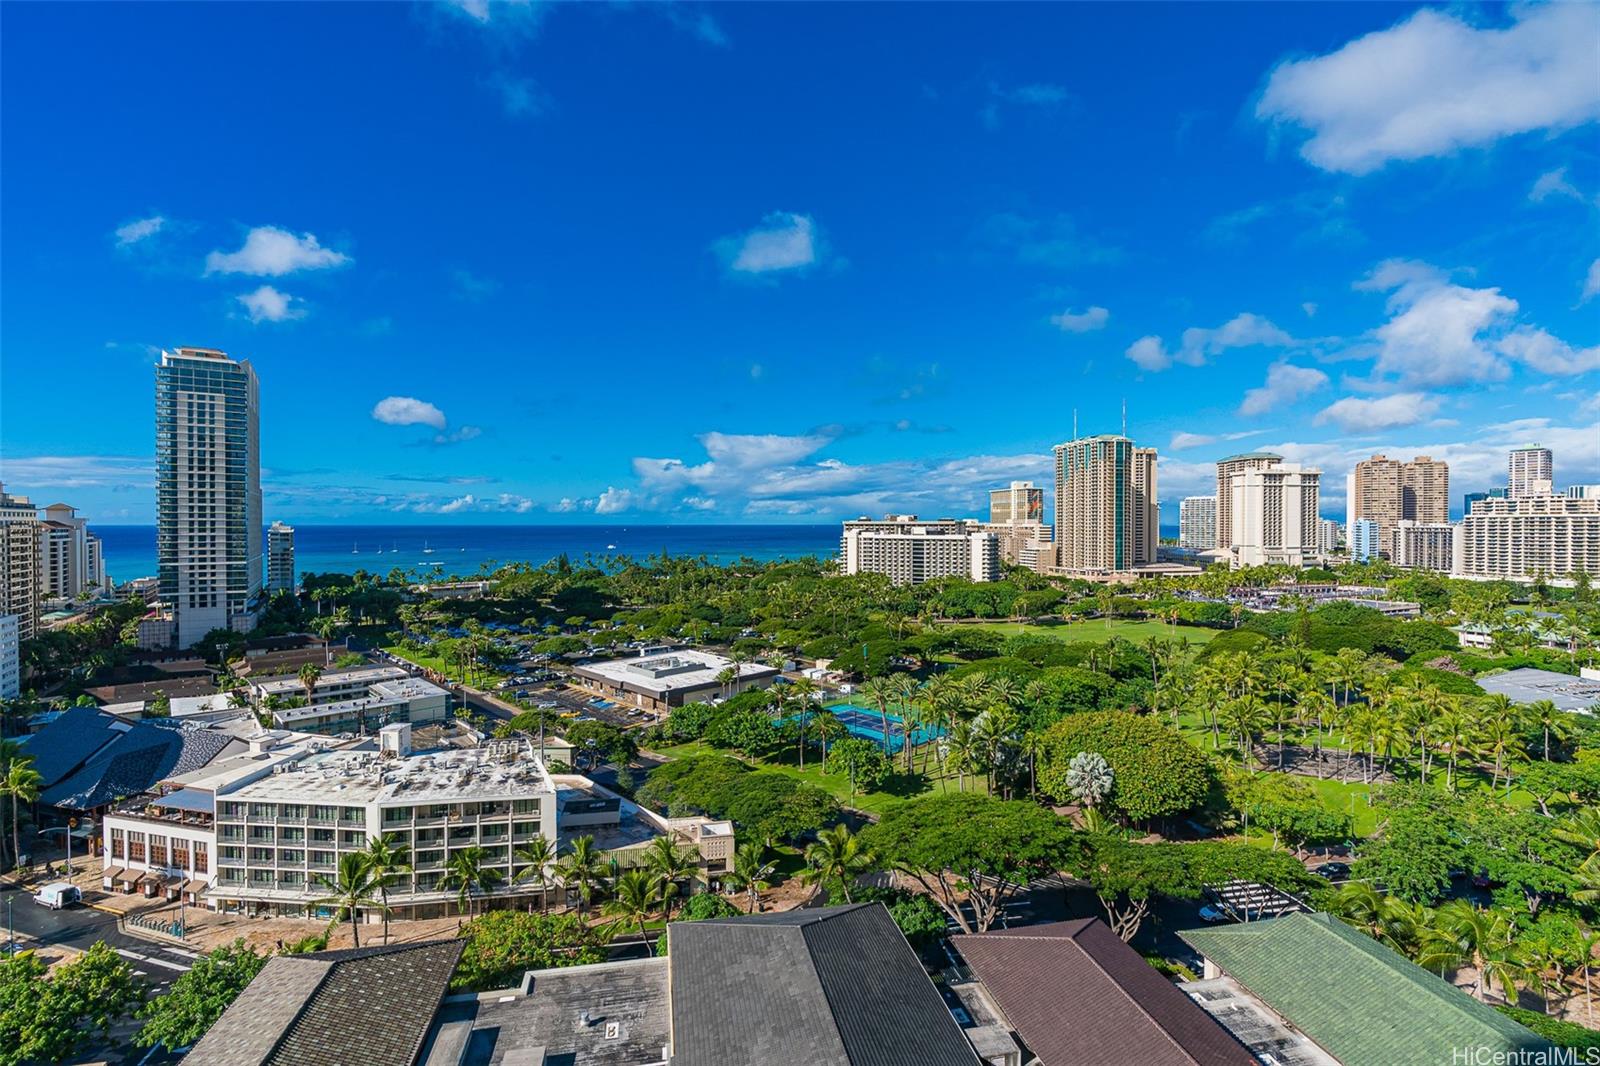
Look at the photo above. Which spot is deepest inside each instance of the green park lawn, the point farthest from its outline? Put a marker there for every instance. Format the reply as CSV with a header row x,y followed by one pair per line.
x,y
1100,630
480,678
898,788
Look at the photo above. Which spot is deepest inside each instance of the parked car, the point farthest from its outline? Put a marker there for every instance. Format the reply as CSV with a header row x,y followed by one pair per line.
x,y
1208,913
1333,871
58,894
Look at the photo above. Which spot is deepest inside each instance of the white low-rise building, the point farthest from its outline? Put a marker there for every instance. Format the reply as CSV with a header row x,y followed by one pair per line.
x,y
408,699
165,844
656,682
332,686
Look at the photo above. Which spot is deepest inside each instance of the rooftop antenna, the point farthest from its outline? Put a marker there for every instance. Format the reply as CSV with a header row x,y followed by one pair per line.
x,y
1074,423
1124,416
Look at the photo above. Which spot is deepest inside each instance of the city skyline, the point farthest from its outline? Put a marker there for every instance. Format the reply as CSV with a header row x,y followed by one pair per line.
x,y
774,305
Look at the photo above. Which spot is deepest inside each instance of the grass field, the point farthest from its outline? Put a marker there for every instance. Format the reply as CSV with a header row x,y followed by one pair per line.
x,y
1102,629
898,788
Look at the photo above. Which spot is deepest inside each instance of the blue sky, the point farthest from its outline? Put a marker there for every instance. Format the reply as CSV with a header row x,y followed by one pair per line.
x,y
788,262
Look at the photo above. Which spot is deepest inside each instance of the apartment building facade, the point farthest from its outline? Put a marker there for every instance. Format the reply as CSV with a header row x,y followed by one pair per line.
x,y
1019,502
1106,505
1275,519
1197,523
1530,471
909,551
1388,491
1226,468
1423,546
280,558
208,491
1523,537
19,562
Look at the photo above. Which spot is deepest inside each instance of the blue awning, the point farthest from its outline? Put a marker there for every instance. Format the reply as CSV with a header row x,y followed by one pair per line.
x,y
188,799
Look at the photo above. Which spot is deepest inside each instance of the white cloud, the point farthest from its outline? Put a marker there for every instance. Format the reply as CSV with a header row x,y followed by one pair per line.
x,y
1436,335
1092,319
613,501
459,435
459,504
272,252
1435,84
1185,441
1309,308
1356,415
131,233
1241,331
1200,344
1148,353
517,504
1553,183
1285,384
267,304
784,241
408,411
1548,354
1591,283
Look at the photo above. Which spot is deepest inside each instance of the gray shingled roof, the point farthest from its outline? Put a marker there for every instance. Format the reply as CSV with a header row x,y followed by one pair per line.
x,y
68,741
1077,994
134,761
836,986
361,1007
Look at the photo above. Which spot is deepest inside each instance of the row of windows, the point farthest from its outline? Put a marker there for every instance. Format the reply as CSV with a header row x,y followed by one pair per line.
x,y
159,850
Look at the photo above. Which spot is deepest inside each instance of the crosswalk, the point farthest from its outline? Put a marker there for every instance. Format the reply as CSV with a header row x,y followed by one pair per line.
x,y
151,960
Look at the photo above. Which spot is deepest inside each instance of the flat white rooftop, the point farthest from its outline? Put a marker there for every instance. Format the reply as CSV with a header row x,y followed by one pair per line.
x,y
361,675
406,688
501,769
671,671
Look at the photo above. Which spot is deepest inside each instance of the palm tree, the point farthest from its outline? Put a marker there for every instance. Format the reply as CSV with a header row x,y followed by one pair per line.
x,y
1089,778
583,869
387,858
309,674
906,690
467,874
669,864
1462,935
1551,721
633,899
881,691
750,872
539,853
805,695
354,888
838,856
22,783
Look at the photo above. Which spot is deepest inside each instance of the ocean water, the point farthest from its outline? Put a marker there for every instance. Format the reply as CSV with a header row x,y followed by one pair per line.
x,y
130,551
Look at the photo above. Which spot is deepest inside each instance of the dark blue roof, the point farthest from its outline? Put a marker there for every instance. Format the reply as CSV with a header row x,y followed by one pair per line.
x,y
134,762
66,743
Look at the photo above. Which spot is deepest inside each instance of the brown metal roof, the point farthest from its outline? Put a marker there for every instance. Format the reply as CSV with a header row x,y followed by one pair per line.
x,y
1076,993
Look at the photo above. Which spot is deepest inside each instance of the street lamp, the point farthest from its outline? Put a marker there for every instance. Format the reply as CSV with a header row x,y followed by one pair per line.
x,y
72,823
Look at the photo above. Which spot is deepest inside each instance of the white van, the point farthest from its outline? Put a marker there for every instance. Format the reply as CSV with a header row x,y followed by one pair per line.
x,y
59,894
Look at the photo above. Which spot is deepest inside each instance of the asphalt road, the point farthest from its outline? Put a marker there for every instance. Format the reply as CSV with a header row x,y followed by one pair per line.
x,y
80,927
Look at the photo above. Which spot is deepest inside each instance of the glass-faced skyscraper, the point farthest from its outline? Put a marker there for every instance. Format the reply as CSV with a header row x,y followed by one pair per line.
x,y
208,491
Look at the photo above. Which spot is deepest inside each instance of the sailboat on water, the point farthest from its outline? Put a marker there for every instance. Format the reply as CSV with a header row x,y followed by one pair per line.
x,y
425,549
355,548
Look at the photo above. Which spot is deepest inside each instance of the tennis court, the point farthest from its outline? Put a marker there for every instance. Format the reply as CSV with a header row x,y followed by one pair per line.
x,y
867,723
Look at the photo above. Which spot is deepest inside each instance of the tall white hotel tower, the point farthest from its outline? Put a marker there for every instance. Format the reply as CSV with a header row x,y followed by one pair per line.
x,y
208,491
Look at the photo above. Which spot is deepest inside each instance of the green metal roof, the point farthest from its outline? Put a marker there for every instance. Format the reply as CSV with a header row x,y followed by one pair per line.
x,y
1358,1000
1250,455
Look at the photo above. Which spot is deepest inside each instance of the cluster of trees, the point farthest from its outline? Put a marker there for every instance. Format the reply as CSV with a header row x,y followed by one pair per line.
x,y
1552,954
765,804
